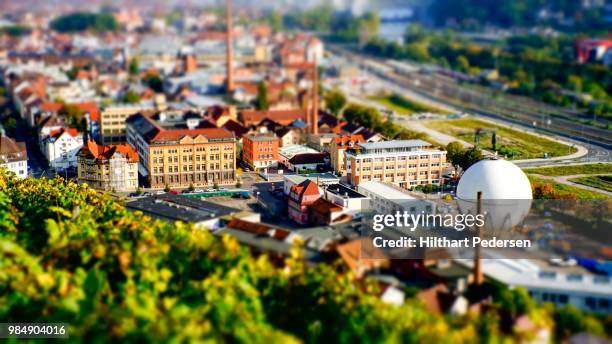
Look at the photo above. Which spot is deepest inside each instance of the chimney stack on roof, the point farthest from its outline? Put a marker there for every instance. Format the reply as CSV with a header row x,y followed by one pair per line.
x,y
315,99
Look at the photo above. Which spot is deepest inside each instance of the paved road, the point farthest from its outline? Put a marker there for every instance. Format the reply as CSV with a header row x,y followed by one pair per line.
x,y
37,163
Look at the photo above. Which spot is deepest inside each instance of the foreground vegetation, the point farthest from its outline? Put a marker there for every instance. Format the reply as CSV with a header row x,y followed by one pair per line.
x,y
508,142
72,255
599,182
69,254
598,168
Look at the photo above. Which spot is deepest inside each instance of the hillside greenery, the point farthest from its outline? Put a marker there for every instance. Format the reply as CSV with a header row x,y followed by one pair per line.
x,y
83,21
70,254
477,14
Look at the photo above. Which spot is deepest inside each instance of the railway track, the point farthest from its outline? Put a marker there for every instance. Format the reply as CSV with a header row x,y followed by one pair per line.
x,y
519,110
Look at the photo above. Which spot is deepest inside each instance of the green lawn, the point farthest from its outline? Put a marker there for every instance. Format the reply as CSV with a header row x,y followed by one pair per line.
x,y
402,105
598,168
511,143
563,189
599,182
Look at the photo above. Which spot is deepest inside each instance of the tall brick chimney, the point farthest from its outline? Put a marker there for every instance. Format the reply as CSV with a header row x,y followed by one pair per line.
x,y
229,47
315,98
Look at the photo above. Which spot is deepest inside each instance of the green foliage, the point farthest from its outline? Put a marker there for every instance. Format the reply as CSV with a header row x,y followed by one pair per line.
x,y
317,18
274,20
428,188
478,14
544,188
454,152
570,321
529,64
83,21
261,102
72,113
15,30
72,73
461,157
597,168
131,97
340,26
133,67
72,255
154,82
9,124
515,301
512,143
599,182
335,101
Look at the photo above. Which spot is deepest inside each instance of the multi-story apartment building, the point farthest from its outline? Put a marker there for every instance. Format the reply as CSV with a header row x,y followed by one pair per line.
x,y
13,156
108,168
112,122
405,163
61,146
260,150
336,151
175,151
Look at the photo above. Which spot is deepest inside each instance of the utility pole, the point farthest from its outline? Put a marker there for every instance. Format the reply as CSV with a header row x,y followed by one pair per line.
x,y
478,275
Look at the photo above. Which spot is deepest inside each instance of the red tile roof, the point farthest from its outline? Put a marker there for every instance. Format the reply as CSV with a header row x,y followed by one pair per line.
x,y
177,134
58,132
353,253
92,109
323,206
306,189
284,117
106,152
12,151
343,141
50,107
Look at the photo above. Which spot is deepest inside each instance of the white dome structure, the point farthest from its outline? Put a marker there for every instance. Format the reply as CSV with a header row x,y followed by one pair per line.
x,y
497,179
506,193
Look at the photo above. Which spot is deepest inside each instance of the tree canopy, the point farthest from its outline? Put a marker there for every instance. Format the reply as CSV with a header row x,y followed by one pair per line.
x,y
83,21
335,100
261,102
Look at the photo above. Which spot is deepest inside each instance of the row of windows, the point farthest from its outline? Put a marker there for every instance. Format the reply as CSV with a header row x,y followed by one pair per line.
x,y
190,168
197,178
187,158
399,158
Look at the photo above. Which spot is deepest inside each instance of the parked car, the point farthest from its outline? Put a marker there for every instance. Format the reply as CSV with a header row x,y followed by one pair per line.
x,y
160,192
